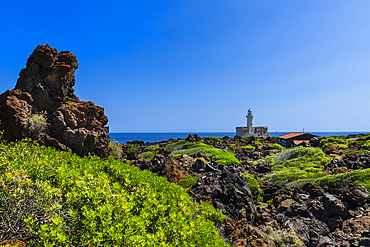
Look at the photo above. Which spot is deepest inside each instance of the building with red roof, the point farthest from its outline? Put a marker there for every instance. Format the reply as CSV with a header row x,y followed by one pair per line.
x,y
294,139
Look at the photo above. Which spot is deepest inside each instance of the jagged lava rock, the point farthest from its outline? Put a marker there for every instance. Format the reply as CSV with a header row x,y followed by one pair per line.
x,y
332,205
46,85
355,193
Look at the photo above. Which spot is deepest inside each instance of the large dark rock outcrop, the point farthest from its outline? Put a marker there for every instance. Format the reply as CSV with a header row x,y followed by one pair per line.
x,y
46,85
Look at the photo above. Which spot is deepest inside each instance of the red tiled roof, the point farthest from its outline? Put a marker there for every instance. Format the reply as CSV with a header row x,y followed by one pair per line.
x,y
290,135
297,142
353,138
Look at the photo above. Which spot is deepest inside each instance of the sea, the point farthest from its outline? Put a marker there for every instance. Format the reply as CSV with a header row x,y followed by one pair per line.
x,y
164,136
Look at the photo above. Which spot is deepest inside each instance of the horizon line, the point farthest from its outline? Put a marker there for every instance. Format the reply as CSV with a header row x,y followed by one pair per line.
x,y
320,131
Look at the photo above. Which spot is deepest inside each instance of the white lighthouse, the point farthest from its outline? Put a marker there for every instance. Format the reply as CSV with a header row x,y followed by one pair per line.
x,y
249,119
250,130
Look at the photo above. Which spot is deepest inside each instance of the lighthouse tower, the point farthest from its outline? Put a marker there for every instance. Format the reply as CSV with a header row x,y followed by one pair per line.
x,y
249,119
250,130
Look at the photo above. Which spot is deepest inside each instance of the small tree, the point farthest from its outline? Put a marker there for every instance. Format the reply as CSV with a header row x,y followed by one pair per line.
x,y
115,149
37,124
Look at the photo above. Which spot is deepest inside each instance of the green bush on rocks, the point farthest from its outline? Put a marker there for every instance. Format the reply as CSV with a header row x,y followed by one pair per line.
x,y
298,163
255,187
276,146
188,182
147,155
87,201
183,147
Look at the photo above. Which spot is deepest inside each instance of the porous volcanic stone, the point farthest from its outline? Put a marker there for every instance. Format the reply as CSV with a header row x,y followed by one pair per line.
x,y
46,85
355,193
332,205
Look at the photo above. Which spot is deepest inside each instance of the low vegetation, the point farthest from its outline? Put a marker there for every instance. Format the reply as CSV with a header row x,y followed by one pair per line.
x,y
55,198
188,182
358,176
213,139
283,238
297,163
132,149
249,147
258,143
147,155
115,149
183,147
345,142
249,138
37,124
153,148
339,141
255,187
276,146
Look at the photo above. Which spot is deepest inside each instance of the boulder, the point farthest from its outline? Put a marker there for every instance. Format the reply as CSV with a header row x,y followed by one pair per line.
x,y
284,205
172,171
45,87
199,165
326,242
313,189
333,150
132,156
13,242
364,240
193,138
186,161
242,233
332,205
229,192
310,230
357,225
136,142
355,193
201,155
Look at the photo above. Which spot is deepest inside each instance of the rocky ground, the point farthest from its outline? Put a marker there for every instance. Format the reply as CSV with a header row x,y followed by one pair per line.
x,y
305,215
232,174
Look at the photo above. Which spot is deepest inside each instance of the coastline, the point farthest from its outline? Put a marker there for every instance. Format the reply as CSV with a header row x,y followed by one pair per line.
x,y
122,137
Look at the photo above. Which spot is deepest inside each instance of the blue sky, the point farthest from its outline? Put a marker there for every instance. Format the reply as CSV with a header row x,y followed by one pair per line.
x,y
199,65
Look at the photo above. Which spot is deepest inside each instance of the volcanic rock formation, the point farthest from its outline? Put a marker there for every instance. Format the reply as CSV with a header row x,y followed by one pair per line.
x,y
46,86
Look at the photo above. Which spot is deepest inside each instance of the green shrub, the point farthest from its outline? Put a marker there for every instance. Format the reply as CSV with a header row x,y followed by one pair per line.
x,y
341,141
188,182
147,155
153,148
283,238
356,151
87,201
258,143
114,149
214,139
222,156
249,138
177,156
358,176
255,187
37,124
301,157
276,146
132,149
298,163
183,147
363,143
249,147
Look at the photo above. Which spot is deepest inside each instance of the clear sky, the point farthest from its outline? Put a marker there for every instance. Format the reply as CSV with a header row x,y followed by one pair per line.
x,y
198,65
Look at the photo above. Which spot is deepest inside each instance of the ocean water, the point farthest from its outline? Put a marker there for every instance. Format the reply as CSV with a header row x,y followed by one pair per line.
x,y
164,136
